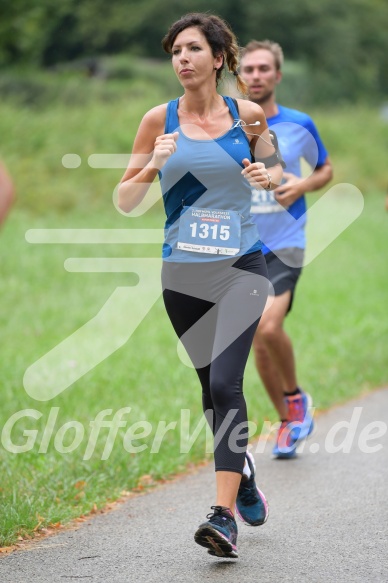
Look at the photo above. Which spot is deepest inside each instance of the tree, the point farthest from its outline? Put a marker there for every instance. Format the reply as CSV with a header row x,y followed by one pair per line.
x,y
343,44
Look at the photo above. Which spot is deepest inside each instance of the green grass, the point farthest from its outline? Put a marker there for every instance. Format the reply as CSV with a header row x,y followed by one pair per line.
x,y
338,322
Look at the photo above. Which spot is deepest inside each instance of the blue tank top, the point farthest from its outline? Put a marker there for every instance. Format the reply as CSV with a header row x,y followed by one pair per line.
x,y
206,174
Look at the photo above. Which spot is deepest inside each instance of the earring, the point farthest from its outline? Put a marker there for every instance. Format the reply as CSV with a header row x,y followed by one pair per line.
x,y
216,68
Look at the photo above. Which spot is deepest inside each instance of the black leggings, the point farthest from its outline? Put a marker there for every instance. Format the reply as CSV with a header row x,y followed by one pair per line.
x,y
215,308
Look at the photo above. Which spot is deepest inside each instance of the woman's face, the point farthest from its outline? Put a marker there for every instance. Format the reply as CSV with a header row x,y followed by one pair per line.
x,y
192,58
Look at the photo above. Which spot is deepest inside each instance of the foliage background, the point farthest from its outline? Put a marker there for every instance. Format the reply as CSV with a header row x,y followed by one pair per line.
x,y
341,45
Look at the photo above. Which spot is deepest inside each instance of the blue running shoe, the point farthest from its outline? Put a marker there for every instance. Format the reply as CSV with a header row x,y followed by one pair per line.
x,y
285,446
299,414
219,533
297,427
251,505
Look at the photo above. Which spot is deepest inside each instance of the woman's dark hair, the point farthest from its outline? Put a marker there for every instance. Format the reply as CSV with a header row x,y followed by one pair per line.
x,y
218,34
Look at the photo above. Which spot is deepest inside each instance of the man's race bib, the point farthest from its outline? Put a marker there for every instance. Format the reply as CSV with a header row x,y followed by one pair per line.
x,y
263,201
209,231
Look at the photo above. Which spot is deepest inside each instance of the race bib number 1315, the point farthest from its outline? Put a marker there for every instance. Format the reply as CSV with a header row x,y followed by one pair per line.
x,y
209,231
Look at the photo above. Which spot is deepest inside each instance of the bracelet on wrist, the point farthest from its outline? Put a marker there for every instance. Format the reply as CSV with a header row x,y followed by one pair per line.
x,y
269,185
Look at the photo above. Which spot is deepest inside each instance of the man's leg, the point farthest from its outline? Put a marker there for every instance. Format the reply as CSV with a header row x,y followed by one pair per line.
x,y
274,355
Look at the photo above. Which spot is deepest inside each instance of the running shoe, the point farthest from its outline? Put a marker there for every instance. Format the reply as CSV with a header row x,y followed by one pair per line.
x,y
298,426
219,533
299,414
285,446
251,505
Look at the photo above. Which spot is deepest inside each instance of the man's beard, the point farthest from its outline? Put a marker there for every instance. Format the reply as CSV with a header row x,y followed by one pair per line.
x,y
262,99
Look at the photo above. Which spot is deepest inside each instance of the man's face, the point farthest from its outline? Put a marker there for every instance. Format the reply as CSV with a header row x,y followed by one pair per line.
x,y
258,69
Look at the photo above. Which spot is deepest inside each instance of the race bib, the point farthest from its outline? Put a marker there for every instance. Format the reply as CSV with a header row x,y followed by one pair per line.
x,y
209,231
263,201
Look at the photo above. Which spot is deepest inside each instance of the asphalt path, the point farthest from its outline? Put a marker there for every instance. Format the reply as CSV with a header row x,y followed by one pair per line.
x,y
328,519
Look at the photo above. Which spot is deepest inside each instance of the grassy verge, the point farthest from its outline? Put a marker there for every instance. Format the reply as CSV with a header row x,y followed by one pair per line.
x,y
338,324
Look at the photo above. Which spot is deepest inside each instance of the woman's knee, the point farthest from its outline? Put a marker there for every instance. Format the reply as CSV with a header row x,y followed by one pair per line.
x,y
225,392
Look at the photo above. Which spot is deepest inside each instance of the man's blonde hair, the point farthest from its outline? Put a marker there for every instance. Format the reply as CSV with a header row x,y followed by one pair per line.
x,y
268,45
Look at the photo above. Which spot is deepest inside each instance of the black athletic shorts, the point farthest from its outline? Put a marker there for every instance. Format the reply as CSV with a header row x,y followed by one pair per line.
x,y
284,268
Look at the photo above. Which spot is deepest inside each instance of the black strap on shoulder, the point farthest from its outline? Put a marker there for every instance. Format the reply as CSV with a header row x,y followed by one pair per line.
x,y
275,158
